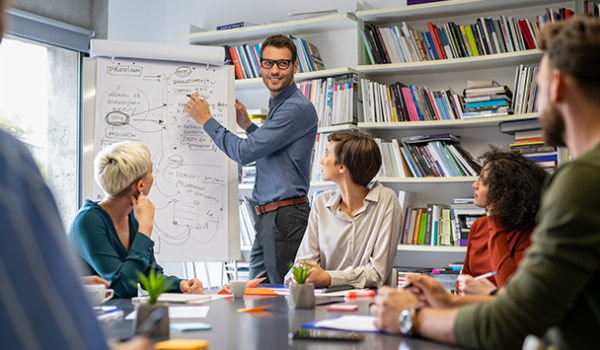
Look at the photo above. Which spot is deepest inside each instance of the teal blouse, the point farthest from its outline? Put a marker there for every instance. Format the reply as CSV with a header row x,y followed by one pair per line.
x,y
96,241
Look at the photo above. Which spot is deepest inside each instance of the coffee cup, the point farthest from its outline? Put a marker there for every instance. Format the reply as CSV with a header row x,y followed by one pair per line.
x,y
98,293
237,288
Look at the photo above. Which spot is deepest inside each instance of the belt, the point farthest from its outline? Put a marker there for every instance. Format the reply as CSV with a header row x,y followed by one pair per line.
x,y
261,209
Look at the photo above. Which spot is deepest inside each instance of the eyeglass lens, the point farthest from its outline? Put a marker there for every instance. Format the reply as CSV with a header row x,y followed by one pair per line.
x,y
281,64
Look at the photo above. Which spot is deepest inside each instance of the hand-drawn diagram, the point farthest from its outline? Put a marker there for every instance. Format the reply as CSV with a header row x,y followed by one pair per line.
x,y
143,101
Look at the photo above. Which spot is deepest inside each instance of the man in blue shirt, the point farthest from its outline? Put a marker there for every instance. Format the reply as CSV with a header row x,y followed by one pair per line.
x,y
282,150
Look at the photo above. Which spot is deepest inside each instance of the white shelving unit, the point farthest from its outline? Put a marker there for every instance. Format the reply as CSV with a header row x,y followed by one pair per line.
x,y
300,27
341,48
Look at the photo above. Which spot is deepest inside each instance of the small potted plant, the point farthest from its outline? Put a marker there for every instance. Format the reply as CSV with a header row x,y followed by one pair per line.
x,y
155,284
302,294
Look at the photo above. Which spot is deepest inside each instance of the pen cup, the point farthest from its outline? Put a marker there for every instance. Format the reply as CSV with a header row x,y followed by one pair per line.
x,y
237,288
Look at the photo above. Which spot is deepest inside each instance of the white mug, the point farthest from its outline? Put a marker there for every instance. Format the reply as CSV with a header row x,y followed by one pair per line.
x,y
237,288
97,293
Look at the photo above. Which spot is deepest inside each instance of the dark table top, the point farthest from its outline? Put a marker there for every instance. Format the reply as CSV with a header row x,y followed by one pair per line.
x,y
269,329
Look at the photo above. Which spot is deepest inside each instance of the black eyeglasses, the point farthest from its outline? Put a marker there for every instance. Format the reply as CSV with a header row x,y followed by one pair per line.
x,y
281,64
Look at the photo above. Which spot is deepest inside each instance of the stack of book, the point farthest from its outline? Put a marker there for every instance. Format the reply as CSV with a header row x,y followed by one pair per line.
x,y
309,59
553,15
334,98
401,43
486,98
427,226
400,102
437,156
426,156
246,58
463,214
531,144
525,88
247,221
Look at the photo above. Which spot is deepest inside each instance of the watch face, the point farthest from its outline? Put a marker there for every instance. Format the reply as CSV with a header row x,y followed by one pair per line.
x,y
405,321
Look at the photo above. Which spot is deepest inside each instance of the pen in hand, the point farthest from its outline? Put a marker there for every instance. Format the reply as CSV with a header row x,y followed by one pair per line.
x,y
485,275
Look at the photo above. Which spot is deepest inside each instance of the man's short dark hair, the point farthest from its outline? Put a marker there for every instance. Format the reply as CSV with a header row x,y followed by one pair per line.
x,y
280,41
573,47
359,153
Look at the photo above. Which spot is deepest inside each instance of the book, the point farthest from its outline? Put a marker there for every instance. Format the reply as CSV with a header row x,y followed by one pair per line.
x,y
234,25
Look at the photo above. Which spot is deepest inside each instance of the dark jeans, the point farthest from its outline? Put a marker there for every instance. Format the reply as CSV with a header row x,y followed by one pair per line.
x,y
278,236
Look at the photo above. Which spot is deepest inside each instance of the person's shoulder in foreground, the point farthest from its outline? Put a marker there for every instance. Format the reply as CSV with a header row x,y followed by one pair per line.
x,y
42,302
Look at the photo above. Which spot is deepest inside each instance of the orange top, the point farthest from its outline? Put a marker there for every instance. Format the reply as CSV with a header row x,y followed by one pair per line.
x,y
492,248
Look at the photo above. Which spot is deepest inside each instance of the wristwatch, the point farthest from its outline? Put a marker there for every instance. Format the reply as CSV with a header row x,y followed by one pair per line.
x,y
407,320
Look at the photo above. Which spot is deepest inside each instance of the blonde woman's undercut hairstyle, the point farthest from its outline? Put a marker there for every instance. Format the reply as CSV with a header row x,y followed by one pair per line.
x,y
119,165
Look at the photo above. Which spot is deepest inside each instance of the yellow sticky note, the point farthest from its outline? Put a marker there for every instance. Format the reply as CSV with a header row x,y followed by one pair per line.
x,y
182,344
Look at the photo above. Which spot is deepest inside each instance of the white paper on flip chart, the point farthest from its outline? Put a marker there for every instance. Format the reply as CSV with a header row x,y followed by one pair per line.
x,y
214,55
349,323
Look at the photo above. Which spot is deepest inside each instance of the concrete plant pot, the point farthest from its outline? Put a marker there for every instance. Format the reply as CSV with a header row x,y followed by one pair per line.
x,y
162,328
302,296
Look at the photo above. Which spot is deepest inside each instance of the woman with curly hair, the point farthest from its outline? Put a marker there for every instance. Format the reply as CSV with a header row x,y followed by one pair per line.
x,y
509,187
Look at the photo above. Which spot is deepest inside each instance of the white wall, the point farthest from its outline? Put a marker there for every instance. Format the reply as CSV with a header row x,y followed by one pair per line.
x,y
168,21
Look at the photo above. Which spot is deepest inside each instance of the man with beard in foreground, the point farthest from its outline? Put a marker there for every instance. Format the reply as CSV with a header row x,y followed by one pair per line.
x,y
555,293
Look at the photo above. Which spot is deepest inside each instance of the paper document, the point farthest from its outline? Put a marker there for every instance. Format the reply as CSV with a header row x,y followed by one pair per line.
x,y
176,312
347,323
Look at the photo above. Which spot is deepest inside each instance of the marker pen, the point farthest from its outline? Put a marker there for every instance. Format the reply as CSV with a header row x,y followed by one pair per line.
x,y
359,293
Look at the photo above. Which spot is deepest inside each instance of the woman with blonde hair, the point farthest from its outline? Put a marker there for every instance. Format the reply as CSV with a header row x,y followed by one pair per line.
x,y
113,236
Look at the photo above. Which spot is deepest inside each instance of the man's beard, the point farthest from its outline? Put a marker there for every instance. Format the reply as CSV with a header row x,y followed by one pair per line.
x,y
553,125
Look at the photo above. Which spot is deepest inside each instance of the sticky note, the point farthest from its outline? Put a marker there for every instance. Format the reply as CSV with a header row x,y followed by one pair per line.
x,y
182,344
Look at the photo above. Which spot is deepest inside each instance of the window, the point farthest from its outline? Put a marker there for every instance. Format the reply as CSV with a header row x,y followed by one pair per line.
x,y
39,104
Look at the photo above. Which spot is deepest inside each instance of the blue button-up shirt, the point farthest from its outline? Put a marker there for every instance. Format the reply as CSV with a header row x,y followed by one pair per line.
x,y
282,147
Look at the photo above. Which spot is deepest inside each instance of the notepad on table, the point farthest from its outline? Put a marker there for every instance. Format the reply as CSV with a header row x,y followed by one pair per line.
x,y
346,323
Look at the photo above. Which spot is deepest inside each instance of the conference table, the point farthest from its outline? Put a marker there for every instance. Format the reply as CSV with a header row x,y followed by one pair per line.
x,y
269,329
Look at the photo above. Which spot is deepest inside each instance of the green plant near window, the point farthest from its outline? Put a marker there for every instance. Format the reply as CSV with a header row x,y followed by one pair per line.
x,y
155,284
300,272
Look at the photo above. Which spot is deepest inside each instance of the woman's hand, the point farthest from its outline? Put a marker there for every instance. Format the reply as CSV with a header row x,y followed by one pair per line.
x,y
319,277
193,286
143,210
95,280
469,285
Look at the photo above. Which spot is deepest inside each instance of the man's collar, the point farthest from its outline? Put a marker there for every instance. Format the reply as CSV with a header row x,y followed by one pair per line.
x,y
285,93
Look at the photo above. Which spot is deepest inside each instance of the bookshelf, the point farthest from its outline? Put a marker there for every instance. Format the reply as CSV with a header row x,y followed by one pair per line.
x,y
340,44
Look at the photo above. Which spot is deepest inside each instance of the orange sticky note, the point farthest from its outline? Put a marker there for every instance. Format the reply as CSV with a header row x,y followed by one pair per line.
x,y
182,344
259,291
254,309
253,283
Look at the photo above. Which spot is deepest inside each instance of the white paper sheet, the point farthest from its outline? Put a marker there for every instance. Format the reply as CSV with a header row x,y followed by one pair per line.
x,y
178,312
349,323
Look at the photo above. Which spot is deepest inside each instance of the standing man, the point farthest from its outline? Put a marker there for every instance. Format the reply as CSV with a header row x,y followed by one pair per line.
x,y
282,150
555,292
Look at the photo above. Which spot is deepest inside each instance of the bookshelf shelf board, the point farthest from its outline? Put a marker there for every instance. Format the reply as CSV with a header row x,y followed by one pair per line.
x,y
428,180
339,127
260,32
455,123
245,186
444,9
241,84
455,64
428,248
